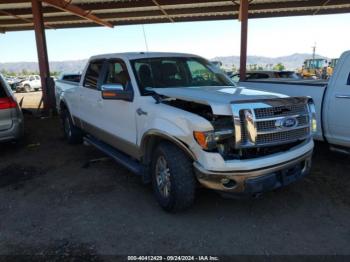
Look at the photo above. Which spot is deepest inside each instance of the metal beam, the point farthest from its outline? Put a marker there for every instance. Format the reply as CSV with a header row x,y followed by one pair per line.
x,y
243,17
273,8
163,11
42,50
68,7
22,18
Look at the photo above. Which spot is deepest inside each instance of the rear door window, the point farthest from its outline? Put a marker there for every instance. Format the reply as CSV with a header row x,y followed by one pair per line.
x,y
348,83
93,74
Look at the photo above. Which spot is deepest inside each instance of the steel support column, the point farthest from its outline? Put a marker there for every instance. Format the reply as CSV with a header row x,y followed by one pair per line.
x,y
39,28
243,17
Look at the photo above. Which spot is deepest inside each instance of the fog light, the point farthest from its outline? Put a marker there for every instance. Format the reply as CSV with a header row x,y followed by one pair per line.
x,y
228,183
225,181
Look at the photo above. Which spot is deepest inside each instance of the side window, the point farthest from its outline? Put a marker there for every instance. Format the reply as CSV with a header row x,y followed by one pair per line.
x,y
92,74
348,83
31,78
117,74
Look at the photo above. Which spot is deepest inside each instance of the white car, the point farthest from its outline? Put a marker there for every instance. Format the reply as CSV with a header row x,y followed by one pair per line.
x,y
178,121
30,84
331,98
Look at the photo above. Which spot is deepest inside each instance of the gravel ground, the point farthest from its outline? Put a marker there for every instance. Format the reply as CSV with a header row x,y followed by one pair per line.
x,y
52,203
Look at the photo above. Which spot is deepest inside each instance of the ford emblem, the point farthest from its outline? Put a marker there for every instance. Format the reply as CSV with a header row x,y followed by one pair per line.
x,y
287,122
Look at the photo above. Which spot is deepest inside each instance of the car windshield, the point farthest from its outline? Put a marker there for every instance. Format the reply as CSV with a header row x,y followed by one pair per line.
x,y
167,72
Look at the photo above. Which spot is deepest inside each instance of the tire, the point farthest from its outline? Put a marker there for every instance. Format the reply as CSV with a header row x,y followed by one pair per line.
x,y
27,88
175,189
73,134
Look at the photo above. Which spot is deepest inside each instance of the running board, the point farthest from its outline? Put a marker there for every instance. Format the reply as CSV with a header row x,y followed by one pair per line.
x,y
341,150
129,163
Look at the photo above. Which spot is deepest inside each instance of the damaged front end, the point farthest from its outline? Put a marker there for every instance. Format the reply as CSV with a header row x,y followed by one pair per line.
x,y
254,129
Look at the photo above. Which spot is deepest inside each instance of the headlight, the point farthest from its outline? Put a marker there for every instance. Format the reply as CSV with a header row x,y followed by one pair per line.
x,y
205,139
209,140
313,119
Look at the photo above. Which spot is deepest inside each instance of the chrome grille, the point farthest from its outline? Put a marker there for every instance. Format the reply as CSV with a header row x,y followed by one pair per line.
x,y
282,137
288,110
270,123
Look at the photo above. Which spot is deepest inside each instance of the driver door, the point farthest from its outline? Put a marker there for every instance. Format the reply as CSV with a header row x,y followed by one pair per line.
x,y
117,117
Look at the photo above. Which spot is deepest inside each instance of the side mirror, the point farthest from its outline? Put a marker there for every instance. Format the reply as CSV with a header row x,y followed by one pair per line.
x,y
116,92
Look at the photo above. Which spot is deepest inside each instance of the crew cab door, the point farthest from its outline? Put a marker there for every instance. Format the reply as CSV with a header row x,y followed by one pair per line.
x,y
113,120
87,97
337,105
37,82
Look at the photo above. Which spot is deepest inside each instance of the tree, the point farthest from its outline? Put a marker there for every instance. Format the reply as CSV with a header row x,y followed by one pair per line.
x,y
279,67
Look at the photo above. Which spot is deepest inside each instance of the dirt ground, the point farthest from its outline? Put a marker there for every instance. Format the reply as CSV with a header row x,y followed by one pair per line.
x,y
52,203
30,100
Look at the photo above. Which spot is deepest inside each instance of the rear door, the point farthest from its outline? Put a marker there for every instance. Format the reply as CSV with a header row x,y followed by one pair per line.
x,y
89,93
5,109
337,105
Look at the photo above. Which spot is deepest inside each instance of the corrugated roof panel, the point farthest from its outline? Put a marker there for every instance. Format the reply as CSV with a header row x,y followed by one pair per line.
x,y
17,15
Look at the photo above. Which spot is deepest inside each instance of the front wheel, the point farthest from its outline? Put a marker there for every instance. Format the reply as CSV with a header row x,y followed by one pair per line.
x,y
173,181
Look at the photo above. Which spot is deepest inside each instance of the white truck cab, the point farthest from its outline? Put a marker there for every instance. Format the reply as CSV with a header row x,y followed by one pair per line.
x,y
179,121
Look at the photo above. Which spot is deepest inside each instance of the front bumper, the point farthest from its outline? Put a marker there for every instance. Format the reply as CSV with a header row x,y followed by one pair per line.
x,y
255,181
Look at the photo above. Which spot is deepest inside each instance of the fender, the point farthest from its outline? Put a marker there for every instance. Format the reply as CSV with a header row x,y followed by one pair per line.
x,y
155,133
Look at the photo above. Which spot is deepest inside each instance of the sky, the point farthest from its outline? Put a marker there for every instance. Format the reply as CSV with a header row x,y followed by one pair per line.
x,y
271,37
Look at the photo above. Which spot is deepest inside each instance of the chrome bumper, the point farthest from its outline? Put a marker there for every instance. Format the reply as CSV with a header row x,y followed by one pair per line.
x,y
255,181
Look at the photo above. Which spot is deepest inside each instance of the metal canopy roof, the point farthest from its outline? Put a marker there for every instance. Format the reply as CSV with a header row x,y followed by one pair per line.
x,y
17,14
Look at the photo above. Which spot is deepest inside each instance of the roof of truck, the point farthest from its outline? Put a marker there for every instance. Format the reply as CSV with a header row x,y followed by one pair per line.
x,y
140,55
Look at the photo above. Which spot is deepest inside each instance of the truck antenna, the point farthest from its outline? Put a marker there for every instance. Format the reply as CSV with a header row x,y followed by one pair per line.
x,y
314,52
145,37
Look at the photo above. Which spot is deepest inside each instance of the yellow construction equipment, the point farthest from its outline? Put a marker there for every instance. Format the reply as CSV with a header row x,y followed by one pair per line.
x,y
312,68
331,66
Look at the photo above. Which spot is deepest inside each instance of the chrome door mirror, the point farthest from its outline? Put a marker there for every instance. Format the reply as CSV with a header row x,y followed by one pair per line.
x,y
116,92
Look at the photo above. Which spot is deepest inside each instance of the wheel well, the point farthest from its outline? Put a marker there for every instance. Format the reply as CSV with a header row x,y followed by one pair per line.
x,y
152,141
63,106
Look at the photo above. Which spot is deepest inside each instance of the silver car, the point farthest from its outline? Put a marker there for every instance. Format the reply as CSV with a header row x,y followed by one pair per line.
x,y
11,117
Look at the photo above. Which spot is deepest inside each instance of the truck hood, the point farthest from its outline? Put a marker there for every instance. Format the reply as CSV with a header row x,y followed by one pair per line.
x,y
218,98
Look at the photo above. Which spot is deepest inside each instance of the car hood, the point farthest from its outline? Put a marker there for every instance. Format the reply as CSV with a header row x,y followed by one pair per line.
x,y
219,98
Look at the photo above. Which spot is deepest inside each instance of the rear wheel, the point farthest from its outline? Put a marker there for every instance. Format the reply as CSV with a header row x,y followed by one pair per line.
x,y
73,134
173,181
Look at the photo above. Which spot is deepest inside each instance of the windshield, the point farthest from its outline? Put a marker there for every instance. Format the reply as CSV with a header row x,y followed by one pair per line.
x,y
164,72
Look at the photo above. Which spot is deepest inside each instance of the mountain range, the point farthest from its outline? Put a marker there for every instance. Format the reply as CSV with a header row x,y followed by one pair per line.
x,y
291,62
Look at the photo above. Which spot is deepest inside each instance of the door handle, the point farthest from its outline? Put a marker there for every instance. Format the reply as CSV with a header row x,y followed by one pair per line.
x,y
343,96
100,102
140,112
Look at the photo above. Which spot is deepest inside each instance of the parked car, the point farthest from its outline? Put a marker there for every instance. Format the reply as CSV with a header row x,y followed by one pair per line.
x,y
30,84
280,75
332,101
11,118
178,120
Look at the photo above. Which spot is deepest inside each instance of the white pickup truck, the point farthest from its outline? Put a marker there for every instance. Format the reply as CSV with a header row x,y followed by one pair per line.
x,y
332,102
179,121
30,84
